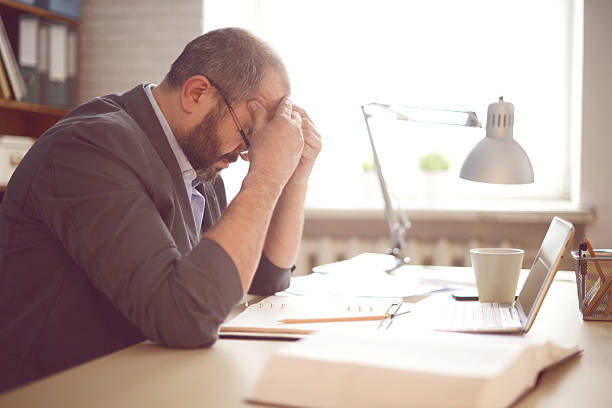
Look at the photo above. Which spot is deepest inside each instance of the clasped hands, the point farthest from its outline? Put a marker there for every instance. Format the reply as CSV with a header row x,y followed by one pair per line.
x,y
286,144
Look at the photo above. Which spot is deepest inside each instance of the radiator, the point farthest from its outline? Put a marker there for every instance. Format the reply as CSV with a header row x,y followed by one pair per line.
x,y
442,251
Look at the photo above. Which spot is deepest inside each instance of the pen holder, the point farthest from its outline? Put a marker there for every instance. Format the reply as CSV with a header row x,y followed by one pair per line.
x,y
594,284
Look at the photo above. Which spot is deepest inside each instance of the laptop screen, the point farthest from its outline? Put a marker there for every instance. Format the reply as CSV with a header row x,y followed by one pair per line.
x,y
545,266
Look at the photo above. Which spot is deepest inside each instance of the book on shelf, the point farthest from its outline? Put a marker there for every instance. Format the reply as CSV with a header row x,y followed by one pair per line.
x,y
10,64
421,369
5,87
39,58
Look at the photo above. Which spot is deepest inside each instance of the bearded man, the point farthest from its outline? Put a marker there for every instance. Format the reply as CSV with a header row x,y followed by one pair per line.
x,y
114,228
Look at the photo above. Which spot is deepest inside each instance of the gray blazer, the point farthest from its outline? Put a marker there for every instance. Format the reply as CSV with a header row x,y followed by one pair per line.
x,y
98,246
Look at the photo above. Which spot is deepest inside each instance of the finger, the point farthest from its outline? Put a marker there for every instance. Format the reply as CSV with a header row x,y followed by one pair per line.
x,y
295,115
301,111
285,107
307,123
259,114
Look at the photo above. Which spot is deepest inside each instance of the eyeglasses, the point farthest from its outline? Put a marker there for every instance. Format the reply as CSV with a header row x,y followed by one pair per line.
x,y
231,111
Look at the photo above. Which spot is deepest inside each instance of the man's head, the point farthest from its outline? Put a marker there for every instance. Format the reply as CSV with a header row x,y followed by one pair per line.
x,y
228,62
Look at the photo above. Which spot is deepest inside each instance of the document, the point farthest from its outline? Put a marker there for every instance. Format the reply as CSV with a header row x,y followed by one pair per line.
x,y
421,369
366,275
294,317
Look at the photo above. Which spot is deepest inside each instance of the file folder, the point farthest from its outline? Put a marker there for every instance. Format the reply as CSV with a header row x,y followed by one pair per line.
x,y
43,62
58,64
28,55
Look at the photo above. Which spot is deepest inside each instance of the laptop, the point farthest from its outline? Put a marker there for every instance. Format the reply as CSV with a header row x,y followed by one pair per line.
x,y
518,316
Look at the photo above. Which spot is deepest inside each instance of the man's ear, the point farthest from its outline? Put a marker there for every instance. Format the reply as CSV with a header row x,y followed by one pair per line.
x,y
196,91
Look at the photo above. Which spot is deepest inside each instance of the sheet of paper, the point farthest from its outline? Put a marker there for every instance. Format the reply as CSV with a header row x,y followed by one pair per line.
x,y
374,284
366,275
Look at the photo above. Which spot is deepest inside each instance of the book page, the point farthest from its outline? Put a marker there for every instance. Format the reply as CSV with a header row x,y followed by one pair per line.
x,y
429,369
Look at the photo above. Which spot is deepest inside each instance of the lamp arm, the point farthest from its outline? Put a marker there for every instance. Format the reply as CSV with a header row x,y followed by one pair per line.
x,y
446,116
396,228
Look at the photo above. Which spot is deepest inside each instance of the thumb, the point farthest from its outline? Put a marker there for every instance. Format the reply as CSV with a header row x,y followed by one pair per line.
x,y
258,113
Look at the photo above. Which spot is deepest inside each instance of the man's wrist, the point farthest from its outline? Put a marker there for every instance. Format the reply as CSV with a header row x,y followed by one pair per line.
x,y
300,177
264,184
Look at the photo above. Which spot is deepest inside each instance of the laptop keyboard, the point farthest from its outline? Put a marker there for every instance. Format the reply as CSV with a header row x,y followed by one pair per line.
x,y
487,316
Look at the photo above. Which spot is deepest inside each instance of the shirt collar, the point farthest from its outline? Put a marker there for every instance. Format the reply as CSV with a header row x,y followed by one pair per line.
x,y
189,174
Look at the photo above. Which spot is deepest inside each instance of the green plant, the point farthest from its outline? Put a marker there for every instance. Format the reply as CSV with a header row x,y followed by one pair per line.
x,y
368,165
434,161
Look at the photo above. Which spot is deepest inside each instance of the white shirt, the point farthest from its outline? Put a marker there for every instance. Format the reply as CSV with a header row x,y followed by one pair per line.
x,y
198,203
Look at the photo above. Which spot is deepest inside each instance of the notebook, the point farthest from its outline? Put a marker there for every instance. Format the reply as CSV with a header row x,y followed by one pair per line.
x,y
294,317
519,315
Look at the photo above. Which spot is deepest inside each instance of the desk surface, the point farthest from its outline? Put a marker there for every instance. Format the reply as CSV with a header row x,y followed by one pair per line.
x,y
154,376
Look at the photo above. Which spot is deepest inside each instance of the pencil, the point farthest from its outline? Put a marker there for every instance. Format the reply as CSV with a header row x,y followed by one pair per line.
x,y
334,319
592,253
603,287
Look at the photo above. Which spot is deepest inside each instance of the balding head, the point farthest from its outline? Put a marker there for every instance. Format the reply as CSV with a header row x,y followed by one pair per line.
x,y
233,58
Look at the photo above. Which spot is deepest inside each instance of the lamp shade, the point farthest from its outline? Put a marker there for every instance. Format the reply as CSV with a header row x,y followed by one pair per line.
x,y
498,158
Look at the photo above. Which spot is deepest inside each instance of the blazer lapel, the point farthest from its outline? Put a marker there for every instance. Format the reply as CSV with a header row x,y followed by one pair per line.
x,y
137,104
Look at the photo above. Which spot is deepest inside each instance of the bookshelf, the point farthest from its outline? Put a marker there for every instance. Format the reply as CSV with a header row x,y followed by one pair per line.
x,y
23,118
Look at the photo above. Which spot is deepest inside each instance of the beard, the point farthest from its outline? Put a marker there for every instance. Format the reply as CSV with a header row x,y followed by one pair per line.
x,y
202,146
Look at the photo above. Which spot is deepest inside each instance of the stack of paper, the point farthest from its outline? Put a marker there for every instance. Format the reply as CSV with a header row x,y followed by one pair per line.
x,y
366,275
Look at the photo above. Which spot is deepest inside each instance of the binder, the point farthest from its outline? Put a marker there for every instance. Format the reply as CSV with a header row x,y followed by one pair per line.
x,y
68,8
28,55
71,82
10,64
43,62
58,64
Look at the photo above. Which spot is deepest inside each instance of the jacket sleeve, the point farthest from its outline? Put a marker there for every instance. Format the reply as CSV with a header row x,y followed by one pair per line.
x,y
269,278
100,201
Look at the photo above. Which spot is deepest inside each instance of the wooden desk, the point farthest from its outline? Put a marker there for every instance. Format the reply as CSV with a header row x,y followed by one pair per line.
x,y
146,375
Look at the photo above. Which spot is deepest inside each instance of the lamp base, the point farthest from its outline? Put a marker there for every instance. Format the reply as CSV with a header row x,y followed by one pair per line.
x,y
399,262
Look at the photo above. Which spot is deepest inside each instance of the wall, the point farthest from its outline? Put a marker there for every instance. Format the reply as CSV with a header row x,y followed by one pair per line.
x,y
596,125
124,43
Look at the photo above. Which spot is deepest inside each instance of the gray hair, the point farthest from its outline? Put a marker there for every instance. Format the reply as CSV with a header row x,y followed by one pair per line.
x,y
233,58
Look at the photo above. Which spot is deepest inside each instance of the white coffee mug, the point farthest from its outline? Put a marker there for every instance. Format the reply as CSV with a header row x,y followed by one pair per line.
x,y
497,271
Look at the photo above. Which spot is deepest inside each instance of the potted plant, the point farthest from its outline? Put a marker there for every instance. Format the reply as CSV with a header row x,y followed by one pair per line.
x,y
434,166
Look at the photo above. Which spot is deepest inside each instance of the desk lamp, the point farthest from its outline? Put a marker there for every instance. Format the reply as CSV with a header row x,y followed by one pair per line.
x,y
497,158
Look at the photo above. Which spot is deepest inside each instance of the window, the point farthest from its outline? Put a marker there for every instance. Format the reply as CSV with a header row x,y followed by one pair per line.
x,y
444,54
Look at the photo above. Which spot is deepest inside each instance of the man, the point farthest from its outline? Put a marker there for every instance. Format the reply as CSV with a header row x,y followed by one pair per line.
x,y
100,239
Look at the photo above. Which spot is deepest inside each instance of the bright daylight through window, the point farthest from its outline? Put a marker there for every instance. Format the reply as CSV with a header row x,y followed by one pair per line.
x,y
440,54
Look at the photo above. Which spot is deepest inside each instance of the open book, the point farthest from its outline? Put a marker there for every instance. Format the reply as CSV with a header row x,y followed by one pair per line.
x,y
424,369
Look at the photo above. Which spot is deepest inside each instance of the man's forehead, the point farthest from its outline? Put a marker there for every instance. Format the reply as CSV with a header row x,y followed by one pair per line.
x,y
272,90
